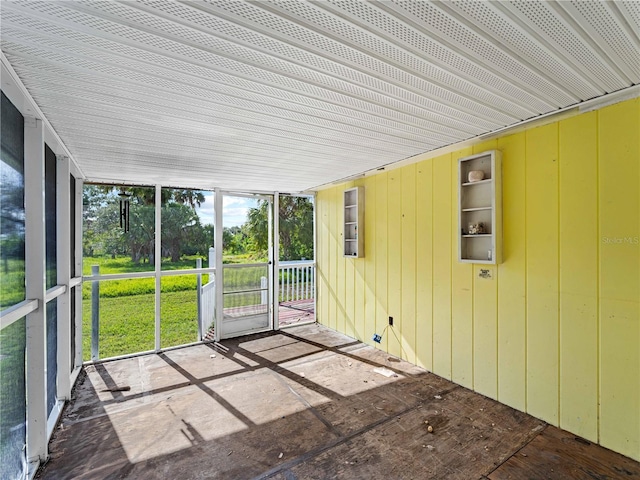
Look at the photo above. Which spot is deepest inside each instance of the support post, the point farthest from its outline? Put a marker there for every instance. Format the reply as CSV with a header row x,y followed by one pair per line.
x,y
199,298
36,348
157,257
95,314
276,259
63,240
77,215
219,308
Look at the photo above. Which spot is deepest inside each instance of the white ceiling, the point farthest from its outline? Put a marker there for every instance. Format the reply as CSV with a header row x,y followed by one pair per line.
x,y
288,95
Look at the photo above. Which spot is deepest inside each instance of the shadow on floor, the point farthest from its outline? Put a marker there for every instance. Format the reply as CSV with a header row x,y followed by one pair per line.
x,y
301,404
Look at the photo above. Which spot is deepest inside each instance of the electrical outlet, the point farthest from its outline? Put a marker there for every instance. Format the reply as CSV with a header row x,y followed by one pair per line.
x,y
391,321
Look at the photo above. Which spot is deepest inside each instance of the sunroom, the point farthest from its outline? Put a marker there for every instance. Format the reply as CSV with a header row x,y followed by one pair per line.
x,y
442,198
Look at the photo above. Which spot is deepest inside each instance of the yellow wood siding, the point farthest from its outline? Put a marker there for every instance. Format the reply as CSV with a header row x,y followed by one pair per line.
x,y
555,331
462,291
619,313
512,312
579,275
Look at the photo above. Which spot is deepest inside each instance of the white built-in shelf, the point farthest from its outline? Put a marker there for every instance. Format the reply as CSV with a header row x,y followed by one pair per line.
x,y
477,209
353,231
480,182
480,202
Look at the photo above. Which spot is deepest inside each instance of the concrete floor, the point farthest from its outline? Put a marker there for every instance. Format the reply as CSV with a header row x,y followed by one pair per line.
x,y
304,403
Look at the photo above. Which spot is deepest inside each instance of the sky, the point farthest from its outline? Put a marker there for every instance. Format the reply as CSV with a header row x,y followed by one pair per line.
x,y
234,210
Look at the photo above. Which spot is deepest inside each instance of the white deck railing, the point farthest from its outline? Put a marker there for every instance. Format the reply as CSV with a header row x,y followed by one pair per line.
x,y
207,305
297,280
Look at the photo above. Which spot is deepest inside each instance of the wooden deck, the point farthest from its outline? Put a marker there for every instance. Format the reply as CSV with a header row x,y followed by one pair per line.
x,y
303,403
296,312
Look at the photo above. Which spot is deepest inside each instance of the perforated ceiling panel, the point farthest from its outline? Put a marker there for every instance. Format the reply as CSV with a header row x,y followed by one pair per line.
x,y
275,95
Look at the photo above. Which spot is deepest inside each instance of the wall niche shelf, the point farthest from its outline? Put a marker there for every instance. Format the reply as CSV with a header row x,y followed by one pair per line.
x,y
353,226
480,208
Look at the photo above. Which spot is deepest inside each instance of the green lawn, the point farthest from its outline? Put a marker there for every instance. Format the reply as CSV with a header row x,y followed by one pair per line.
x,y
127,307
12,288
127,324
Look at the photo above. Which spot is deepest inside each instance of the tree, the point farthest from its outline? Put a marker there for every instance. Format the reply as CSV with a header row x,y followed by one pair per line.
x,y
296,227
180,225
182,231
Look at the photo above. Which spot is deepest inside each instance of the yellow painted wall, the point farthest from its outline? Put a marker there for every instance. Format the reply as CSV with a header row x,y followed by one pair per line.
x,y
556,330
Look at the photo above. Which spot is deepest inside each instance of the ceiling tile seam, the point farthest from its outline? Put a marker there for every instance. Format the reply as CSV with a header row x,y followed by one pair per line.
x,y
104,131
146,170
314,98
361,133
623,46
616,11
402,135
358,131
299,92
203,178
285,134
277,36
230,166
157,75
263,128
92,95
535,91
15,80
567,15
148,166
297,146
101,98
131,156
562,34
632,18
447,67
509,117
525,60
364,89
372,30
511,12
219,145
502,9
89,154
320,88
362,70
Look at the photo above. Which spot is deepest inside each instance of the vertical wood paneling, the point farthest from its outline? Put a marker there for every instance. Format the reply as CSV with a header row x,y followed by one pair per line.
x,y
559,334
359,280
341,315
442,251
394,261
424,264
370,255
579,275
512,286
381,258
619,184
336,249
485,319
462,291
542,272
348,286
408,293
